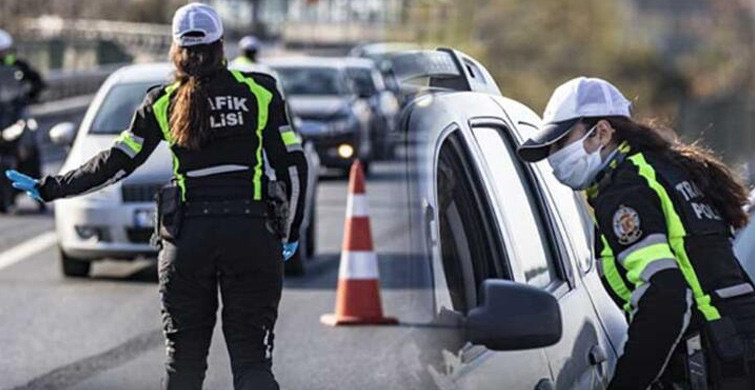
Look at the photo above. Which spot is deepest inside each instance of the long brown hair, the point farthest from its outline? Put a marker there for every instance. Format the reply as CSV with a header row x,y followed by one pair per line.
x,y
726,190
190,112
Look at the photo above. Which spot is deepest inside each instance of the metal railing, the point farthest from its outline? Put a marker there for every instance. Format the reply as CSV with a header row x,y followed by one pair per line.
x,y
66,84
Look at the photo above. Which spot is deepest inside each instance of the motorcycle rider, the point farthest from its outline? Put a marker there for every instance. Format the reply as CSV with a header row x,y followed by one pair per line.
x,y
28,74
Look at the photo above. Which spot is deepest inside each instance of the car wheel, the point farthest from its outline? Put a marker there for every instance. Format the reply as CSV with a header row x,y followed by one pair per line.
x,y
74,267
295,265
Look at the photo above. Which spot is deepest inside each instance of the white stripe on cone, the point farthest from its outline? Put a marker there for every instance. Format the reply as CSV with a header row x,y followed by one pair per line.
x,y
357,206
358,265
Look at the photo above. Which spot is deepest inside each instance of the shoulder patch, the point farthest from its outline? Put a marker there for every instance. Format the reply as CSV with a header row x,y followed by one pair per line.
x,y
626,225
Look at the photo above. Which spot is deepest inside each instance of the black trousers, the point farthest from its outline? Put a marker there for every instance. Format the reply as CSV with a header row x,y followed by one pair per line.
x,y
239,256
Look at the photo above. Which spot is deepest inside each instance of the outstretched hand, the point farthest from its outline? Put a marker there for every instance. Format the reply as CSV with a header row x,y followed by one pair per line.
x,y
289,249
24,183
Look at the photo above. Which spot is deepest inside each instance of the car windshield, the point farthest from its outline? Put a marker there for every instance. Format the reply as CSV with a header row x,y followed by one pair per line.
x,y
310,81
363,80
118,108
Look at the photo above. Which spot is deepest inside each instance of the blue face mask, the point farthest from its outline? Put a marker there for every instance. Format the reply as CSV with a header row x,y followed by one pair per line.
x,y
574,166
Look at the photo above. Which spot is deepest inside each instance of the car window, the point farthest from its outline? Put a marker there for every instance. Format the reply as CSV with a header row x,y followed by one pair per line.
x,y
363,80
118,108
469,247
530,240
574,212
311,81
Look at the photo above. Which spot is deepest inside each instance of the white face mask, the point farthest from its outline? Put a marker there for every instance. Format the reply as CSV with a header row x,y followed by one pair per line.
x,y
574,166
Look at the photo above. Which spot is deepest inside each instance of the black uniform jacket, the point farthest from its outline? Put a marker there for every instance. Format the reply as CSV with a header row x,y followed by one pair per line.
x,y
251,141
665,257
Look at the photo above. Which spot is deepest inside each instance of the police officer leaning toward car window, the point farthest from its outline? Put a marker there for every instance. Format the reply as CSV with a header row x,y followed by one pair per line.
x,y
221,221
664,212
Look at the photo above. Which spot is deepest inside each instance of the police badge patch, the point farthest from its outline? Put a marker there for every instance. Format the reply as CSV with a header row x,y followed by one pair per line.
x,y
626,225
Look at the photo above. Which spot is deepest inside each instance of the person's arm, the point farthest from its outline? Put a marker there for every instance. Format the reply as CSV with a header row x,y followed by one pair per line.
x,y
32,77
129,151
284,152
632,220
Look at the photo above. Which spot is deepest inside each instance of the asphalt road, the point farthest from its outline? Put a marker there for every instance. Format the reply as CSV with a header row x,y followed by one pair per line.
x,y
104,332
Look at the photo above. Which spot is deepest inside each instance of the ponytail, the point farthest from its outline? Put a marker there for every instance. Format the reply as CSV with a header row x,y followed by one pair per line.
x,y
725,190
190,113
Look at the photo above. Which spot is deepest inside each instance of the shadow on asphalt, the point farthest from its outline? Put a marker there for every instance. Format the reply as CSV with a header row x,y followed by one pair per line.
x,y
397,271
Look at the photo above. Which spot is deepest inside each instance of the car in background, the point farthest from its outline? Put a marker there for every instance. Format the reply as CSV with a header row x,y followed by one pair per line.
x,y
370,84
382,53
116,222
516,293
744,243
334,117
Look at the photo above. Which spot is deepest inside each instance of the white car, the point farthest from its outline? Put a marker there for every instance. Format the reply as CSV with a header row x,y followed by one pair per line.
x,y
116,222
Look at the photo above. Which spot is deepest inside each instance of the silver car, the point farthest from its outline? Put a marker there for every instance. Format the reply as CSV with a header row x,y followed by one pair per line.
x,y
507,249
116,222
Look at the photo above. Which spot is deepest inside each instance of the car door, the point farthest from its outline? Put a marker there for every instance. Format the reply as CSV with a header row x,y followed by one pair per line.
x,y
544,257
596,330
466,247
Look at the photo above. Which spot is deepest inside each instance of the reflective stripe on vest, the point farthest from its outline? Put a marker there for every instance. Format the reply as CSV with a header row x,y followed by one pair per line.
x,y
160,109
263,97
676,235
9,60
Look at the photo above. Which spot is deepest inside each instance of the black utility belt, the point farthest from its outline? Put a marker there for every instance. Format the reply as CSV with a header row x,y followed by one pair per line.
x,y
246,207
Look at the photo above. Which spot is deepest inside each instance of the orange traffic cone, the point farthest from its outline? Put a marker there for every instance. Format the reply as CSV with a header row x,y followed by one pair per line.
x,y
358,296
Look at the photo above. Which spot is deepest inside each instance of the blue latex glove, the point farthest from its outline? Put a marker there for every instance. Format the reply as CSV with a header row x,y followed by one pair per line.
x,y
24,183
289,249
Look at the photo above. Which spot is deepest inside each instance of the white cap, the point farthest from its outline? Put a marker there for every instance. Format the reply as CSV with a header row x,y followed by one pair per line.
x,y
196,24
577,98
249,42
585,97
6,41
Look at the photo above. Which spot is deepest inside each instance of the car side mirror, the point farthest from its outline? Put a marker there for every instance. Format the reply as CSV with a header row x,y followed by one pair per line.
x,y
63,133
514,316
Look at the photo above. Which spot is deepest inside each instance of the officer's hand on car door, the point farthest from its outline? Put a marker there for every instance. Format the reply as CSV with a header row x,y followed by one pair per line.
x,y
289,249
24,183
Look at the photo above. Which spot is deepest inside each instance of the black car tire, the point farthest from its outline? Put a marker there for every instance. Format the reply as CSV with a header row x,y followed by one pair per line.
x,y
73,267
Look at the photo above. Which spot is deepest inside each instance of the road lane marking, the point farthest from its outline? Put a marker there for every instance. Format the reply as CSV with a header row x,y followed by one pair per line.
x,y
27,249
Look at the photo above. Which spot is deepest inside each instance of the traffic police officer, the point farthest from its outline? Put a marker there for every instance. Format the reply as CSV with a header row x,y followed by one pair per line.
x,y
229,134
249,47
664,213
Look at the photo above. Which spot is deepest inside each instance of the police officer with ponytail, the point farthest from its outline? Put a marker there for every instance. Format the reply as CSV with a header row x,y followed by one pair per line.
x,y
665,212
233,209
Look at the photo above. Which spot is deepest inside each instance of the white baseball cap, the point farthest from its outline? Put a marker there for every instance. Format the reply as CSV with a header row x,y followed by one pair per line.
x,y
249,42
196,24
6,41
573,100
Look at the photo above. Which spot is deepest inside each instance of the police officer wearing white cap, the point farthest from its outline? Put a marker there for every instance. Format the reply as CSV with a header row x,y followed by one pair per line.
x,y
249,47
664,215
225,223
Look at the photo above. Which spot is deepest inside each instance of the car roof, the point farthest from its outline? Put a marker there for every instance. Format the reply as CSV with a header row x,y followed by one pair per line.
x,y
359,62
306,62
157,72
384,47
